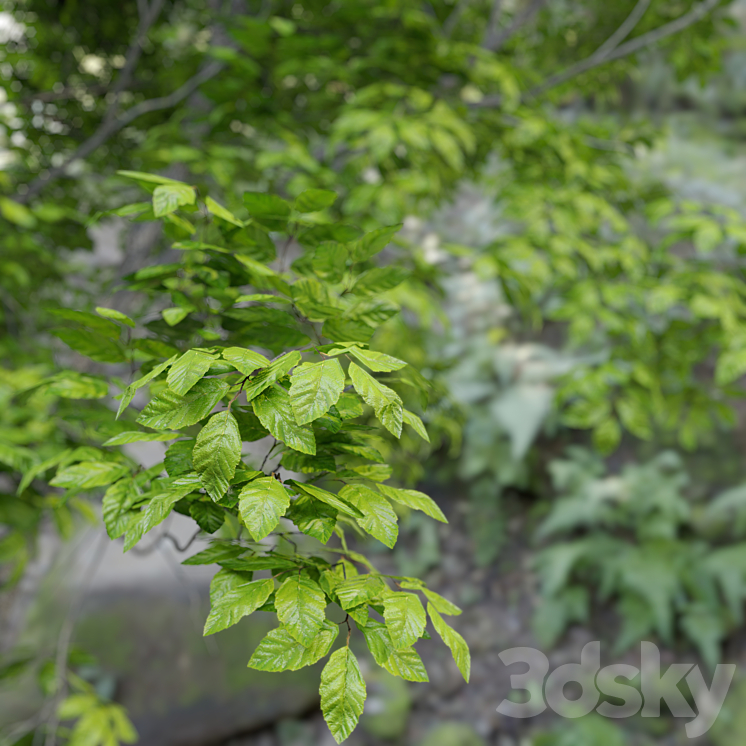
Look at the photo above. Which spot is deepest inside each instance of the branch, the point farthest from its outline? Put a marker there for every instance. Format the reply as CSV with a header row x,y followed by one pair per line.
x,y
518,22
452,21
615,52
111,126
624,30
491,32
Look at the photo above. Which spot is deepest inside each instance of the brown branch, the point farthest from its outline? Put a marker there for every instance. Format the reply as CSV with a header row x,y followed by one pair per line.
x,y
516,25
110,127
613,53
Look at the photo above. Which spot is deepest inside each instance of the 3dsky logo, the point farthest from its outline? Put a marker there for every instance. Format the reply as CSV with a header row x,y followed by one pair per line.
x,y
548,689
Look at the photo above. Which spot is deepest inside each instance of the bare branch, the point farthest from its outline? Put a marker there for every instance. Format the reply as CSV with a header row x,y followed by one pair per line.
x,y
111,126
491,32
615,52
624,30
452,21
516,25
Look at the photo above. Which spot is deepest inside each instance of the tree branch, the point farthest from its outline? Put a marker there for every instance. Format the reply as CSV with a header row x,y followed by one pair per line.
x,y
111,126
612,50
452,21
491,32
517,23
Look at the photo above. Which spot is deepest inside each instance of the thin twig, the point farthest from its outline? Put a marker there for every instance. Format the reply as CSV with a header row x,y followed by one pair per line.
x,y
272,448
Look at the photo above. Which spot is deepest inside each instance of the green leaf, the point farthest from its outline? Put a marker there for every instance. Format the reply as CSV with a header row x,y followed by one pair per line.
x,y
178,458
377,361
385,402
215,553
110,313
342,693
313,200
274,410
301,605
349,406
169,410
236,599
379,518
314,388
96,346
209,517
415,500
246,361
379,280
344,329
329,260
327,497
358,590
313,517
221,212
273,372
371,243
261,504
172,316
188,369
405,618
16,213
169,197
443,605
279,651
89,474
405,663
118,500
217,452
150,178
71,385
267,209
457,644
416,423
139,436
129,392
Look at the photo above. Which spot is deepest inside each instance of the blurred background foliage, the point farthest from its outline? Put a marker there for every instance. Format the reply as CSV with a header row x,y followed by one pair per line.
x,y
570,179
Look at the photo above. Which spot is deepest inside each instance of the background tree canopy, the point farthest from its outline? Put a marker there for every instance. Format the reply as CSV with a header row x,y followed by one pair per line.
x,y
462,246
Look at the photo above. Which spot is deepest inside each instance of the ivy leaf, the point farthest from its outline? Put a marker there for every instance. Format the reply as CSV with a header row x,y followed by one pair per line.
x,y
358,590
416,423
315,388
169,197
237,599
313,517
217,452
170,410
300,604
342,693
280,651
405,618
246,361
379,518
209,517
415,500
273,372
313,200
385,402
327,497
457,644
275,412
189,369
261,504
89,474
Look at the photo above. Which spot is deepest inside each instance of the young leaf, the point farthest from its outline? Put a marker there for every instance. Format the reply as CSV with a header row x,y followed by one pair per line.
x,y
358,590
405,618
416,423
139,436
188,369
415,500
155,512
329,260
315,387
221,212
457,644
300,607
89,474
118,499
217,452
169,197
379,280
246,361
236,600
327,497
377,361
405,663
275,412
264,206
313,517
280,651
371,243
178,458
349,406
342,693
110,313
385,401
313,200
215,553
169,410
261,504
379,518
209,517
273,372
